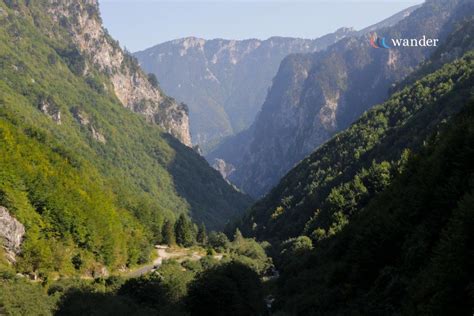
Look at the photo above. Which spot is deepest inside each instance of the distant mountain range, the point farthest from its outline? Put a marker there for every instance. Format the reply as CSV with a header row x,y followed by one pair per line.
x,y
224,82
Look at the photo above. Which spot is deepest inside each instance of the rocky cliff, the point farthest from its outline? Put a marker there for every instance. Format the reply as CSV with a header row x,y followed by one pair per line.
x,y
315,95
11,234
130,83
223,82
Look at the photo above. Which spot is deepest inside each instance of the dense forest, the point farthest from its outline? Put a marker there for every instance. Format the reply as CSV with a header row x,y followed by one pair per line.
x,y
409,251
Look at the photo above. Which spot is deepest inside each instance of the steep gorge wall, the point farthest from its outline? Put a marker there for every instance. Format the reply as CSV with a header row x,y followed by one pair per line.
x,y
130,83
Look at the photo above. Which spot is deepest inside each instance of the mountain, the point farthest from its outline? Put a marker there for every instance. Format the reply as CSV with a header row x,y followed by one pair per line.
x,y
85,182
355,164
223,81
130,84
314,96
409,251
377,221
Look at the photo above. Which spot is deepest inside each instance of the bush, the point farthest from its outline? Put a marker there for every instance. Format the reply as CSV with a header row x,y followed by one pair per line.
x,y
229,289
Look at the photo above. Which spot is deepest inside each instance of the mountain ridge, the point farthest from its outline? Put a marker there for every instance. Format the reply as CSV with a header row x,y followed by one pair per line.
x,y
130,84
216,75
91,181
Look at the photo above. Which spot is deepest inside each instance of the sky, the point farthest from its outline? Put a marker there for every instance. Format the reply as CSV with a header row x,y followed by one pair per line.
x,y
140,24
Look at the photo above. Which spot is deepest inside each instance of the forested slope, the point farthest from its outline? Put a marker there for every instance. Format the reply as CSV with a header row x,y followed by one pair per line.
x,y
91,181
409,251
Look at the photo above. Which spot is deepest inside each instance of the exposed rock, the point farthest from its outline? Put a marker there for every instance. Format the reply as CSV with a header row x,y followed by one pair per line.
x,y
80,116
224,168
11,234
48,107
223,81
131,85
99,271
97,135
84,119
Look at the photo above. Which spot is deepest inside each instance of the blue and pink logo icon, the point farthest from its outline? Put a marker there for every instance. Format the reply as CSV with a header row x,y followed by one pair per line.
x,y
377,42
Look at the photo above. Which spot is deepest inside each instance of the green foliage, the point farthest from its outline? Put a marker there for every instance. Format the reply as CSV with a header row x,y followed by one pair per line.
x,y
201,237
95,83
153,80
73,59
409,251
168,236
20,297
162,290
184,231
229,289
250,253
218,241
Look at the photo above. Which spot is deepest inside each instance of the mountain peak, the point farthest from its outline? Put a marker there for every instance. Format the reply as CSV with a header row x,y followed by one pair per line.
x,y
131,85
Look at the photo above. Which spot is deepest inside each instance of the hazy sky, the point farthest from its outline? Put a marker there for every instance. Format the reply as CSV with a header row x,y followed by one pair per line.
x,y
139,24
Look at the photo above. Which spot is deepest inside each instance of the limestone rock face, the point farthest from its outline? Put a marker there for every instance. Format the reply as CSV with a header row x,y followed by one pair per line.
x,y
11,233
130,83
50,109
225,169
224,82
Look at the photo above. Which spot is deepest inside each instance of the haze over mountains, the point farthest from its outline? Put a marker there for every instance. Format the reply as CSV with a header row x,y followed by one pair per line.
x,y
225,82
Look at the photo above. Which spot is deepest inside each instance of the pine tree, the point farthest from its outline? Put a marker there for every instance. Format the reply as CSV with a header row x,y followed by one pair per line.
x,y
238,238
168,233
184,231
202,235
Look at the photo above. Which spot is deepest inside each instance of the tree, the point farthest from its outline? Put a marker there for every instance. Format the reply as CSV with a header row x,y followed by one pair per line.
x,y
202,235
167,233
153,80
238,238
229,289
218,241
184,231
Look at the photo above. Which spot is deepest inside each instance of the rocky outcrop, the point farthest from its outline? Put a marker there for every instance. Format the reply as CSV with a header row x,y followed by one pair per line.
x,y
224,168
84,119
130,83
11,234
315,95
49,108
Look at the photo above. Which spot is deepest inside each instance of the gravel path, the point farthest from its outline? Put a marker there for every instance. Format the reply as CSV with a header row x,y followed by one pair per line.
x,y
163,254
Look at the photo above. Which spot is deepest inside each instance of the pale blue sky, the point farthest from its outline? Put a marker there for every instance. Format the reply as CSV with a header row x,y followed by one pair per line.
x,y
139,24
